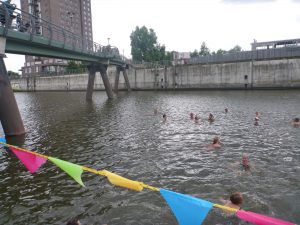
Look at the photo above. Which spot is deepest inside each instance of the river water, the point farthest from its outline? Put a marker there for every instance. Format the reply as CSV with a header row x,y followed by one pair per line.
x,y
124,136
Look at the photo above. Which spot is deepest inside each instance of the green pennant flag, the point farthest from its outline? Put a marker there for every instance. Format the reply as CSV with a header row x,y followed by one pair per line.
x,y
72,169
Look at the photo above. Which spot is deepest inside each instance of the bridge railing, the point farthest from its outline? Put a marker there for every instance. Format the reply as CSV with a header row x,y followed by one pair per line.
x,y
12,18
264,54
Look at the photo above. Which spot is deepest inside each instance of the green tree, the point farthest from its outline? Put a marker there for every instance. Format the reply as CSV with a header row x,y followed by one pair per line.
x,y
194,53
74,67
144,46
235,49
204,50
221,52
13,75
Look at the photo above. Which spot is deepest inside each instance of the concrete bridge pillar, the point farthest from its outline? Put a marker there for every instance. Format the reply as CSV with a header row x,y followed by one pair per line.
x,y
90,86
108,89
126,79
9,112
117,80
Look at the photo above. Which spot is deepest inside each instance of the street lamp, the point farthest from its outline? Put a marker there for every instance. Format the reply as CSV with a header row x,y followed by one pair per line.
x,y
71,15
108,41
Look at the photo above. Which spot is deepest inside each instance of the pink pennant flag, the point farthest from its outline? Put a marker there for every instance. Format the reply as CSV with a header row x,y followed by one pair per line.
x,y
32,162
260,219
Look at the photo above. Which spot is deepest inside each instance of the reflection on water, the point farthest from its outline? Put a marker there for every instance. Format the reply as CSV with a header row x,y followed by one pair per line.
x,y
124,137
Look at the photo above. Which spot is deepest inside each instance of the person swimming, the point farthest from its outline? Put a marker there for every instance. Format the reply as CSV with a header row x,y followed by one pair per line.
x,y
295,121
191,116
216,143
211,118
226,110
235,201
197,119
164,117
245,162
256,119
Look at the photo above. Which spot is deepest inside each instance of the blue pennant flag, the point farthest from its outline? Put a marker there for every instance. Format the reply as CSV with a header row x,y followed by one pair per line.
x,y
187,209
2,139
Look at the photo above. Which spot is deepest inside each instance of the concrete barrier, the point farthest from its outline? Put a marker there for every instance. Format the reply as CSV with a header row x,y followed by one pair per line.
x,y
283,73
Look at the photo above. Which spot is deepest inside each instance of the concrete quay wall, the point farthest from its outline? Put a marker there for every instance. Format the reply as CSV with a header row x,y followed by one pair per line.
x,y
283,73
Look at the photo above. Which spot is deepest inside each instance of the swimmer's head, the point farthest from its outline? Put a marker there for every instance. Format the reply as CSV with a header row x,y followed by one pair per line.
x,y
216,140
236,198
296,120
164,116
245,160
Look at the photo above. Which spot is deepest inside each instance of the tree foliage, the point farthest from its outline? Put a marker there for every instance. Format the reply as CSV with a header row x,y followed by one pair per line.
x,y
144,46
204,50
194,53
75,67
235,49
12,74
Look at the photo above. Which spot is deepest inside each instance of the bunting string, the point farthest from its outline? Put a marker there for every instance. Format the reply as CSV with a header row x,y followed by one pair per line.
x,y
183,206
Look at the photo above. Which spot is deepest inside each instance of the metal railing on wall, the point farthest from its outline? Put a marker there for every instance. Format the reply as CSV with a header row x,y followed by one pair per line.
x,y
265,54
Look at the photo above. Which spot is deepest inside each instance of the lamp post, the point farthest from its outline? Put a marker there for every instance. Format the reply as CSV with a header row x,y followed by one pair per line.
x,y
108,41
71,15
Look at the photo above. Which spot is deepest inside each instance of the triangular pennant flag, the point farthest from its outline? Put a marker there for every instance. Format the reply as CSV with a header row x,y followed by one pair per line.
x,y
2,139
72,169
260,219
187,209
32,162
122,181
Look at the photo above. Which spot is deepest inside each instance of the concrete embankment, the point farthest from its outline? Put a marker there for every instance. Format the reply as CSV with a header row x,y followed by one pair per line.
x,y
270,74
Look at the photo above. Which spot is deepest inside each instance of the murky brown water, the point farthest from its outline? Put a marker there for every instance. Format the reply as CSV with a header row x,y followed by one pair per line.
x,y
122,136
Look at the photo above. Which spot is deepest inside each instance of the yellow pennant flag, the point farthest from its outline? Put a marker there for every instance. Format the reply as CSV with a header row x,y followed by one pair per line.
x,y
123,182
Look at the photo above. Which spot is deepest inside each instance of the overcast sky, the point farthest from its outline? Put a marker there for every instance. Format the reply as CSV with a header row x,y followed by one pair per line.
x,y
182,25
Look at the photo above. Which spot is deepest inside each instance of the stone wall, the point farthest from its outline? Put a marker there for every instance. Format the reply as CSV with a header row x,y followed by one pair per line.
x,y
284,73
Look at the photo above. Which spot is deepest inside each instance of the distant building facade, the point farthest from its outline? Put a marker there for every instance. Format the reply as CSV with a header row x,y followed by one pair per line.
x,y
179,58
73,15
275,44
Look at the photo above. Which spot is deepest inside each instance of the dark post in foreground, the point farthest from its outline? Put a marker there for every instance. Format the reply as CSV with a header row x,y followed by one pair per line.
x,y
90,86
126,79
9,112
116,87
108,89
123,69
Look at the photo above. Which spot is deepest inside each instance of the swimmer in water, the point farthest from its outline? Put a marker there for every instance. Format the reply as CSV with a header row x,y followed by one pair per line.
x,y
257,114
191,116
245,162
216,144
295,122
164,117
226,110
73,222
235,201
211,118
197,119
256,119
